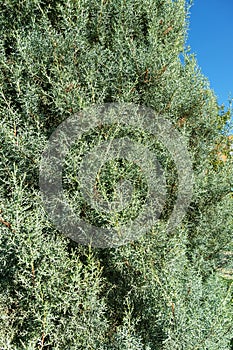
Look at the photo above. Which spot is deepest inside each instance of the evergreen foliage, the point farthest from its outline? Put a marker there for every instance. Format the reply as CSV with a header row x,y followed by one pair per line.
x,y
160,292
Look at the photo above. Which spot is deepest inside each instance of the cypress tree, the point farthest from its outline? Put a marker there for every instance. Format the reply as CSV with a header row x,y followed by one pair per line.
x,y
163,290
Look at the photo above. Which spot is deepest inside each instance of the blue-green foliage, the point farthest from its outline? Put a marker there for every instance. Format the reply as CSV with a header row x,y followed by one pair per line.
x,y
162,292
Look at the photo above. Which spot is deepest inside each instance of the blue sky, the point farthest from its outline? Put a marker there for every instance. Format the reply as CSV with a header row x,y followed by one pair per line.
x,y
210,37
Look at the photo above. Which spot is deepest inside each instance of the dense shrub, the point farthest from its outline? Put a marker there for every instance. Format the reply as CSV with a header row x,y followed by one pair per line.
x,y
162,291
